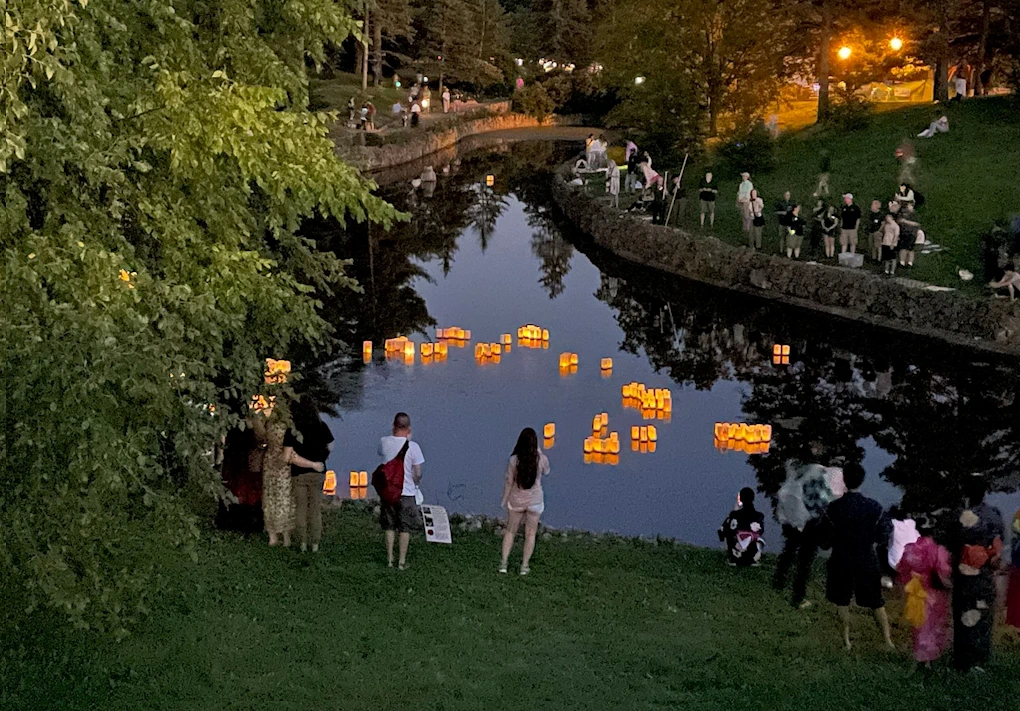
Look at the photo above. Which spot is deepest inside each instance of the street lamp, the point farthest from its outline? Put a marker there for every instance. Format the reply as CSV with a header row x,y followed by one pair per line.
x,y
844,53
896,44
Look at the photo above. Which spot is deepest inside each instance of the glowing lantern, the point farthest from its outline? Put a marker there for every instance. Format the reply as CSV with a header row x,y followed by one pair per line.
x,y
427,349
720,430
276,371
614,444
573,359
596,424
598,445
844,53
644,434
490,180
465,335
607,364
635,432
545,334
653,434
589,444
441,348
549,442
408,348
766,434
564,360
355,480
896,44
505,339
549,430
496,348
362,478
329,485
753,434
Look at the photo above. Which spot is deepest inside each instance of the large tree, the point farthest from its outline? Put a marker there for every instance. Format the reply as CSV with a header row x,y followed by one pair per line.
x,y
156,162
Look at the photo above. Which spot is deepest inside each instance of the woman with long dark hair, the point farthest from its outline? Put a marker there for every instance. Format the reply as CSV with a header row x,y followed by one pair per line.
x,y
523,497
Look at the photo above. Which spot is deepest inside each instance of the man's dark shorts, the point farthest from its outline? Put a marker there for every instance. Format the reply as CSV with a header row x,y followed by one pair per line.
x,y
865,586
402,516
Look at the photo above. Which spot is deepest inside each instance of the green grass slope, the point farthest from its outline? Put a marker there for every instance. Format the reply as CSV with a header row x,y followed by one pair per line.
x,y
601,623
970,177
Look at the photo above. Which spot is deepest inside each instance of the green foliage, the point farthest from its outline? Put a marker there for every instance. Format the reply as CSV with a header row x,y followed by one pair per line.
x,y
534,100
849,111
465,41
156,161
753,150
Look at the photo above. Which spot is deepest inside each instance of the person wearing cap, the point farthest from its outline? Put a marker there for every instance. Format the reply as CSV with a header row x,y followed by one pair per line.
x,y
850,220
744,200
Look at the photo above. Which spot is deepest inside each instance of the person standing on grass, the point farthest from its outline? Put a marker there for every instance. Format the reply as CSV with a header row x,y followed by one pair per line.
x,y
975,542
523,497
307,445
277,494
744,200
614,183
371,115
925,572
909,227
875,221
633,167
403,516
742,531
707,194
830,223
794,233
782,210
756,206
890,243
446,100
1013,591
850,221
853,526
350,112
415,114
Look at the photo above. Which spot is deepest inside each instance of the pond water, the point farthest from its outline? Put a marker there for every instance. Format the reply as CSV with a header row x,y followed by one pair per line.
x,y
917,414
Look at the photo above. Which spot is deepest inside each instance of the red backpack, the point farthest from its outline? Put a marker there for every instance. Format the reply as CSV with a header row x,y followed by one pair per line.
x,y
388,478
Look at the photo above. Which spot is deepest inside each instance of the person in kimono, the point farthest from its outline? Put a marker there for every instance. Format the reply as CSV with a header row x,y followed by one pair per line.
x,y
925,571
743,532
1013,595
975,541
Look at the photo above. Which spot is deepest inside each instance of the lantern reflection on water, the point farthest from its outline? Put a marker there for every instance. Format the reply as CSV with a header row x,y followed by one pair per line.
x,y
780,354
359,492
548,442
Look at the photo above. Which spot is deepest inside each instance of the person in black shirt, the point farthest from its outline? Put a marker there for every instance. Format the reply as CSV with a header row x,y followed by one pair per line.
x,y
850,220
853,526
876,219
794,233
783,208
307,445
742,532
829,223
707,194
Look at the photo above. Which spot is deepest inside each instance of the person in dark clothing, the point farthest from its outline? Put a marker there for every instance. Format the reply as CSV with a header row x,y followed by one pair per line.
x,y
794,233
975,543
853,526
742,532
875,221
658,203
782,210
311,442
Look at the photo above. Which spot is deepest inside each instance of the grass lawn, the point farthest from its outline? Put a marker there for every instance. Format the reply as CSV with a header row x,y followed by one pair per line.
x,y
333,94
601,623
968,176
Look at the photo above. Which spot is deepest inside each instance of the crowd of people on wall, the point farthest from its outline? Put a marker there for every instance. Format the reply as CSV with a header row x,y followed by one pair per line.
x,y
947,570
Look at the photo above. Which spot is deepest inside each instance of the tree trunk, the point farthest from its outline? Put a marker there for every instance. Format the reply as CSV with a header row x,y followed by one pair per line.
x,y
481,40
364,53
941,45
377,52
979,65
823,64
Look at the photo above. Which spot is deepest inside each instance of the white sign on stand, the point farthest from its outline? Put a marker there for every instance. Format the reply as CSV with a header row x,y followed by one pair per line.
x,y
437,524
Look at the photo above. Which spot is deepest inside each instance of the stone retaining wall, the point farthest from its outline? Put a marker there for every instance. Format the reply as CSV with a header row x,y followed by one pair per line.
x,y
851,293
427,142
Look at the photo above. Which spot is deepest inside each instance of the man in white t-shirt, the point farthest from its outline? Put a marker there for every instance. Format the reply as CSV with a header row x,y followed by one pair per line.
x,y
403,516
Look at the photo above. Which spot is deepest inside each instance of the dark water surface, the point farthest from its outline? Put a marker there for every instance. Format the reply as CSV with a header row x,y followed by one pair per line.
x,y
917,414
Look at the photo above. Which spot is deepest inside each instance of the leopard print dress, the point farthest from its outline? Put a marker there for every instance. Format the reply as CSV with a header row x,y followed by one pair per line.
x,y
277,500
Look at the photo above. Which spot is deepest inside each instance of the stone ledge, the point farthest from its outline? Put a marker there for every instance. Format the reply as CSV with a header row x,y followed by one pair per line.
x,y
855,294
427,142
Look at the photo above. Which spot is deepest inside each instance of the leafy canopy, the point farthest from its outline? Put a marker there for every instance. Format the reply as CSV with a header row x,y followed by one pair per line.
x,y
156,162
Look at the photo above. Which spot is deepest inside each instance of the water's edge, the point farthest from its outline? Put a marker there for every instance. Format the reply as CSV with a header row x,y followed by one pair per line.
x,y
849,293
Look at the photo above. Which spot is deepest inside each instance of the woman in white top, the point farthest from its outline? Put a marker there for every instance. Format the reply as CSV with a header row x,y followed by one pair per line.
x,y
522,496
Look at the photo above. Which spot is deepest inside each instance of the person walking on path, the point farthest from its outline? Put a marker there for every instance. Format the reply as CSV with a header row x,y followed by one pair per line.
x,y
800,505
876,219
925,571
782,210
523,497
890,243
707,194
850,221
403,516
853,526
975,541
446,100
756,206
307,446
742,531
744,200
794,233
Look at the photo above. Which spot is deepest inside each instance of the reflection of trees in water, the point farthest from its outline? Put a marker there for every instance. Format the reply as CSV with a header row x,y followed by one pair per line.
x,y
483,212
942,421
548,244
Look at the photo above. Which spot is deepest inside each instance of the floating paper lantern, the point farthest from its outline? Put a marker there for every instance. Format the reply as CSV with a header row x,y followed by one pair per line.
x,y
643,434
596,423
441,348
545,334
427,349
653,434
614,444
466,335
589,444
598,445
573,359
606,364
505,339
780,354
409,348
549,430
564,360
635,432
363,478
589,458
329,485
355,480
496,348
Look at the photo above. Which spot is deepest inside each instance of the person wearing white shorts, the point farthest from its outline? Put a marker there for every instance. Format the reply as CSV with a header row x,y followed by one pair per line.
x,y
523,496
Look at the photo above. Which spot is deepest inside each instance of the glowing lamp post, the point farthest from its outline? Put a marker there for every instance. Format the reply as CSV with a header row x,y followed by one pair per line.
x,y
844,53
896,44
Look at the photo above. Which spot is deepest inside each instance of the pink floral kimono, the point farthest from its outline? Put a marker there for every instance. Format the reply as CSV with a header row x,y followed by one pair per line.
x,y
926,570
